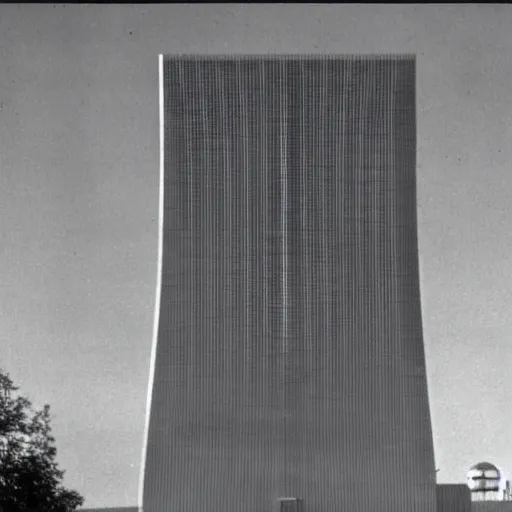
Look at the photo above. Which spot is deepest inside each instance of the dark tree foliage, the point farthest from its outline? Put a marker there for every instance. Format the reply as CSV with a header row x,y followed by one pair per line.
x,y
30,480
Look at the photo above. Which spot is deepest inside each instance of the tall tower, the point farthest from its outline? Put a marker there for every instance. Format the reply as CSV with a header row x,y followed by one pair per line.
x,y
288,360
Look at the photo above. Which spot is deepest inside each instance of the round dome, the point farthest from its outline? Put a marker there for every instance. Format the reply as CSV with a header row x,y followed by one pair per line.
x,y
484,466
483,477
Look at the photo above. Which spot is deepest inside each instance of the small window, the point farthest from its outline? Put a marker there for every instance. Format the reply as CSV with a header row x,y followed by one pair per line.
x,y
290,505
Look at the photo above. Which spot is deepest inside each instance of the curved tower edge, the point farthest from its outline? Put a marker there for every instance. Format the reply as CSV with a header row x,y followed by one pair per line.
x,y
156,320
419,276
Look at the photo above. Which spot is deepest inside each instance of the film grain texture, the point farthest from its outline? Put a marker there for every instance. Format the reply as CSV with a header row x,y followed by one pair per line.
x,y
289,356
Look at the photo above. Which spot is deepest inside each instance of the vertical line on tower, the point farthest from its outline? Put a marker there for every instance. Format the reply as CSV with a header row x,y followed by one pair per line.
x,y
156,319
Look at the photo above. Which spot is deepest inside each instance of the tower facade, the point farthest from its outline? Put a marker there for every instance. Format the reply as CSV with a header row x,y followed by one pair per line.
x,y
288,359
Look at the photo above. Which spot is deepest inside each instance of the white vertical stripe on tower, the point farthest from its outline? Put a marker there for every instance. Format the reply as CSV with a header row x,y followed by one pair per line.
x,y
245,166
226,209
209,285
307,344
264,194
394,220
325,219
156,319
284,200
269,477
284,259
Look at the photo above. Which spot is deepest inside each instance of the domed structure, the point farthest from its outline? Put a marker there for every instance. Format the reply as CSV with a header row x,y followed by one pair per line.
x,y
484,466
484,481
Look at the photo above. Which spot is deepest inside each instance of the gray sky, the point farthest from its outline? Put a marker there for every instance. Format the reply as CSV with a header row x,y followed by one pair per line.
x,y
78,208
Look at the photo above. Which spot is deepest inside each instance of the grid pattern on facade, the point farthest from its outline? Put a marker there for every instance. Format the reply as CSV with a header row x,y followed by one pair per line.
x,y
290,356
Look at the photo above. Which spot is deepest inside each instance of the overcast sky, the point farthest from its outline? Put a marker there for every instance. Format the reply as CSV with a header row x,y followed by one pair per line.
x,y
78,208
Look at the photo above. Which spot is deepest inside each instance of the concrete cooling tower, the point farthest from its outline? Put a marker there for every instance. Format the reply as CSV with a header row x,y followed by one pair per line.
x,y
288,368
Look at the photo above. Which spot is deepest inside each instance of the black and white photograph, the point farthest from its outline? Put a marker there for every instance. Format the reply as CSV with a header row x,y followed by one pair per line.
x,y
255,257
